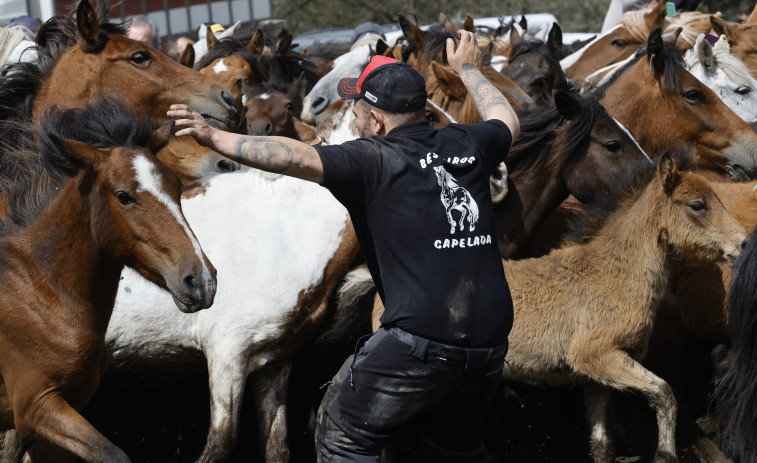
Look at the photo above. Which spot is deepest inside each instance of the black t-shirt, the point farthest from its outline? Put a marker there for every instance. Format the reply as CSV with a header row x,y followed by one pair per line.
x,y
420,203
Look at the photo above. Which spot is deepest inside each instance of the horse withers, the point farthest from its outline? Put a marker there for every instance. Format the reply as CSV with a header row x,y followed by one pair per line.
x,y
90,212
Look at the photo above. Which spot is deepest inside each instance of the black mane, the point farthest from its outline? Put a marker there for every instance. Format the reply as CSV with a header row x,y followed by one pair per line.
x,y
672,65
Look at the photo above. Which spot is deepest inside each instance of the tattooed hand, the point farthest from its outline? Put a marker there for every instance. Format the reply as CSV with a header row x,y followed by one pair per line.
x,y
467,53
191,123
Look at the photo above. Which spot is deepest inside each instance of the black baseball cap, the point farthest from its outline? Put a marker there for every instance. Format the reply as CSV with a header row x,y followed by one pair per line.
x,y
387,84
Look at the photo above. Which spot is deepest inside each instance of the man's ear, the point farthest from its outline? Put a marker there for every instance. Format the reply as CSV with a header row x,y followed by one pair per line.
x,y
379,122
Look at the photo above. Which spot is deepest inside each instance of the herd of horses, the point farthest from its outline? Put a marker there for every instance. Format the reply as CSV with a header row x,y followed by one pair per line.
x,y
623,214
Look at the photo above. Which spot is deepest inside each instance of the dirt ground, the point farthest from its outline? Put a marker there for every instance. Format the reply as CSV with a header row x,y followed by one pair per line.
x,y
156,418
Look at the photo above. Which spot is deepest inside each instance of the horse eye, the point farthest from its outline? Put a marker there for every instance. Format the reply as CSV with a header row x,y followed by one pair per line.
x,y
743,90
693,96
124,198
612,146
140,57
620,43
238,83
697,206
431,116
289,106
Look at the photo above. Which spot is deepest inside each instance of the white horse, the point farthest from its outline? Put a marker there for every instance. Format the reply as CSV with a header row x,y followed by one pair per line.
x,y
323,93
725,74
279,251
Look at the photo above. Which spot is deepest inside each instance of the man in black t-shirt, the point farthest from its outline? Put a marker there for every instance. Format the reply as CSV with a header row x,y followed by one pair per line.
x,y
419,201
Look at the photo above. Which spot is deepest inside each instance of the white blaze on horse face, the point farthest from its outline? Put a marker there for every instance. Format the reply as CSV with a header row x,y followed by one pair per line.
x,y
149,180
265,96
572,59
630,135
220,67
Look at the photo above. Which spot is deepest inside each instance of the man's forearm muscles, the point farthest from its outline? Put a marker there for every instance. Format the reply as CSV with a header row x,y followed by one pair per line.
x,y
265,154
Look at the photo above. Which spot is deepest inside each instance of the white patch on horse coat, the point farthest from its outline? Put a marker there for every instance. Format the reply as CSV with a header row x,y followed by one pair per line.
x,y
630,135
606,74
573,58
149,180
220,67
265,96
269,241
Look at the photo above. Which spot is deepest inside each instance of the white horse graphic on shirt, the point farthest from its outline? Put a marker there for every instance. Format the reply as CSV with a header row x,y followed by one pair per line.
x,y
456,198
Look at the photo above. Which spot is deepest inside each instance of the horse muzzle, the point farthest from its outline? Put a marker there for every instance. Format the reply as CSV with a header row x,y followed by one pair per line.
x,y
194,292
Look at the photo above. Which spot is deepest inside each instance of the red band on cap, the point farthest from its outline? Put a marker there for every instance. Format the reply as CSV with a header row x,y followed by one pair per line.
x,y
376,62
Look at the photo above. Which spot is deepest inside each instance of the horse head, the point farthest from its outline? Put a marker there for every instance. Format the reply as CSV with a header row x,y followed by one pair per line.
x,y
108,63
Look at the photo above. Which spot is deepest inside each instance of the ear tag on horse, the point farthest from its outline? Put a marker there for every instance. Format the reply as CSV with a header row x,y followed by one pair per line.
x,y
670,8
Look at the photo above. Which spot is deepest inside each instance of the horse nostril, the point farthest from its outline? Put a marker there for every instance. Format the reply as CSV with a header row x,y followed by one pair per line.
x,y
190,285
268,129
225,165
229,99
743,244
318,105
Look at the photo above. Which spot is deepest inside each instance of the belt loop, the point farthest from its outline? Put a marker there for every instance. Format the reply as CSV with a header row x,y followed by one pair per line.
x,y
419,347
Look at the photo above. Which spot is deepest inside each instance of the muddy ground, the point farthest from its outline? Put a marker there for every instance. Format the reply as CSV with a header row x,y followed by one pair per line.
x,y
157,417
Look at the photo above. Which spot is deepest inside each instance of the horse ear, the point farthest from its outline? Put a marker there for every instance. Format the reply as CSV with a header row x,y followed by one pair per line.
x,y
554,40
468,23
382,48
257,43
160,136
720,27
656,16
397,54
283,42
76,150
210,39
668,172
523,23
187,57
515,38
656,52
297,93
448,80
568,104
414,34
752,19
87,22
704,52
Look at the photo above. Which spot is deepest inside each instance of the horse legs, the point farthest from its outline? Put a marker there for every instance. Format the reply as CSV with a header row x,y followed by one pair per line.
x,y
53,420
597,402
227,375
271,385
617,369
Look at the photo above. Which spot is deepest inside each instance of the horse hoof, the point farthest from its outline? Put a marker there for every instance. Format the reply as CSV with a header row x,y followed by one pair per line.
x,y
664,457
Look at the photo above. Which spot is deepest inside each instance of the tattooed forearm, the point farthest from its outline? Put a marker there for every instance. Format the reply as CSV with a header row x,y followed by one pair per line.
x,y
484,93
265,154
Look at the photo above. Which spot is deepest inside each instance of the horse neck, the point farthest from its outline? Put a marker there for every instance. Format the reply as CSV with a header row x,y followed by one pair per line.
x,y
631,241
67,255
532,196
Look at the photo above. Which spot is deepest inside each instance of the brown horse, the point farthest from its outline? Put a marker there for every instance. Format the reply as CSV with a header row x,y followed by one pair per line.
x,y
61,271
534,68
234,67
665,107
584,313
80,62
624,39
741,37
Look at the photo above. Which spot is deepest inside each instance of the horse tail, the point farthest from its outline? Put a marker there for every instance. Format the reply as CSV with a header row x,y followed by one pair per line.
x,y
737,392
354,307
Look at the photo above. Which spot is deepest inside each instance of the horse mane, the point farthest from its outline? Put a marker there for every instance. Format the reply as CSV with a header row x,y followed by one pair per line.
x,y
671,80
737,389
32,172
537,46
692,24
10,38
588,224
543,128
734,69
228,46
21,82
329,50
636,25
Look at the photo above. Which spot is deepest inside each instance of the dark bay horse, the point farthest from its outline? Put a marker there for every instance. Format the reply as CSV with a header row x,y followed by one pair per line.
x,y
80,60
86,212
665,108
534,67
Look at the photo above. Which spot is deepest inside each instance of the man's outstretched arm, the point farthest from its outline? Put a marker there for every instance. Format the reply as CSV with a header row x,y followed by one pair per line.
x,y
274,154
466,61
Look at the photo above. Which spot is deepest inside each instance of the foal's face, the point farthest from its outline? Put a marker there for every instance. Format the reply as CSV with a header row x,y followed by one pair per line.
x,y
137,219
